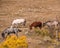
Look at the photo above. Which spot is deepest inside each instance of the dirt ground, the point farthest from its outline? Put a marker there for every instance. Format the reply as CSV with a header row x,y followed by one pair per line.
x,y
31,10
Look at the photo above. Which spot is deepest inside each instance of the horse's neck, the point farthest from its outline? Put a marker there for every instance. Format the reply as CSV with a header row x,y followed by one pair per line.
x,y
11,28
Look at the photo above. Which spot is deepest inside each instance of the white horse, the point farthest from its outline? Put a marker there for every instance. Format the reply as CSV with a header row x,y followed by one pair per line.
x,y
51,23
52,26
19,21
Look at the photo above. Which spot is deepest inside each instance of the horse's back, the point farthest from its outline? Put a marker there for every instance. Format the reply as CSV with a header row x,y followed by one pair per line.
x,y
18,21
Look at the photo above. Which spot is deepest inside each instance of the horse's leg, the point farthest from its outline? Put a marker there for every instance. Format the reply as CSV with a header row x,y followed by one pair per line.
x,y
24,23
16,34
7,34
16,25
19,30
30,27
40,26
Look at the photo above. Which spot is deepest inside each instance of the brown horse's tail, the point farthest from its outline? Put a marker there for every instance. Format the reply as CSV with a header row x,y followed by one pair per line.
x,y
30,27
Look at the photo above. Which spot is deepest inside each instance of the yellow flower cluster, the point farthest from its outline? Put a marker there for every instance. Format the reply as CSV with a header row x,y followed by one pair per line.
x,y
14,42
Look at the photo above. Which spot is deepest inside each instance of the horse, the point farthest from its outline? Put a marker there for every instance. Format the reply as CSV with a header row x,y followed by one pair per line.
x,y
51,23
19,21
36,24
52,27
9,31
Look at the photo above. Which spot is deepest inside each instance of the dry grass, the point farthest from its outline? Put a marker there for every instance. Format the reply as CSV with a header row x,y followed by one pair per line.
x,y
31,10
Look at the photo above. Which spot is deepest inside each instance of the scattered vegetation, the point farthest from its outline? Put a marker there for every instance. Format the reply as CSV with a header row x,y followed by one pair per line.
x,y
14,42
21,42
43,32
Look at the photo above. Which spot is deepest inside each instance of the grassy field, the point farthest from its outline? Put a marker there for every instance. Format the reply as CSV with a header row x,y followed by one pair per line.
x,y
31,10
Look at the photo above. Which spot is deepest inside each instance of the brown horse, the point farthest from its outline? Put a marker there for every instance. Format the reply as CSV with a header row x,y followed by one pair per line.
x,y
36,24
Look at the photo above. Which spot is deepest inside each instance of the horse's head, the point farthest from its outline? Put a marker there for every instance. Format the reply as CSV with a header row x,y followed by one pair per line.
x,y
24,23
30,27
3,35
